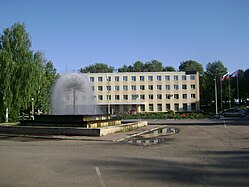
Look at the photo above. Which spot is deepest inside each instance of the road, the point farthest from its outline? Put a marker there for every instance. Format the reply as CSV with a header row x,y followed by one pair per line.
x,y
199,155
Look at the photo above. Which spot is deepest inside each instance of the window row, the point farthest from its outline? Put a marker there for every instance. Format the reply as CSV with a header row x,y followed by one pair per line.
x,y
143,87
159,107
141,78
149,96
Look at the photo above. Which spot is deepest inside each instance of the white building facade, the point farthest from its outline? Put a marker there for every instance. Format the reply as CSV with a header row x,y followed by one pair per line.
x,y
146,91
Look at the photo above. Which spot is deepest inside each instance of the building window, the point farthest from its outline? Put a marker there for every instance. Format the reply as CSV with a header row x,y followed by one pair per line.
x,y
184,77
167,107
116,88
159,107
125,97
192,86
159,96
176,87
184,87
158,77
159,87
168,96
184,107
108,78
176,107
100,88
108,88
116,78
150,107
133,78
150,78
92,88
192,77
142,108
133,87
142,87
100,97
167,87
192,96
175,77
193,106
142,97
167,77
92,79
116,97
108,97
184,96
176,96
134,96
125,78
150,87
125,87
141,78
100,79
151,96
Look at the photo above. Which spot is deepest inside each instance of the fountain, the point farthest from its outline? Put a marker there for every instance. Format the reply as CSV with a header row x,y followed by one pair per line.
x,y
73,94
74,112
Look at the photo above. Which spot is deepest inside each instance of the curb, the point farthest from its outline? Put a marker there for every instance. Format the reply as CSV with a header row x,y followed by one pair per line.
x,y
137,134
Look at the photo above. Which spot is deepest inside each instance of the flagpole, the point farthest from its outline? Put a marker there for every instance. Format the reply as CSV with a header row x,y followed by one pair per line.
x,y
238,89
229,92
221,103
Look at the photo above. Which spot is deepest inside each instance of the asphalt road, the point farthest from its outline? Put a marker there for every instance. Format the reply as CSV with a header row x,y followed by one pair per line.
x,y
199,155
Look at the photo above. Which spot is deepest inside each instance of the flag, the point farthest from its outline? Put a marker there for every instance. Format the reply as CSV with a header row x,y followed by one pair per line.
x,y
225,77
235,74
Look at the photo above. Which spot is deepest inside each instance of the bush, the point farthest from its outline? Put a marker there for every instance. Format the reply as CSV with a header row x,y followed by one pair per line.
x,y
166,115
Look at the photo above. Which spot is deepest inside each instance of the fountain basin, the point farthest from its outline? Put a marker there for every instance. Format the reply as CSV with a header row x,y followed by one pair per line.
x,y
87,121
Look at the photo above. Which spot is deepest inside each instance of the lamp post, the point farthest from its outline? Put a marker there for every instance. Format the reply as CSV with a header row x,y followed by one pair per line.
x,y
33,108
215,90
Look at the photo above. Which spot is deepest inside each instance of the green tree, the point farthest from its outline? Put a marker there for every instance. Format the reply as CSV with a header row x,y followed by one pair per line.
x,y
169,68
191,65
243,85
214,71
16,46
21,71
153,66
97,68
45,78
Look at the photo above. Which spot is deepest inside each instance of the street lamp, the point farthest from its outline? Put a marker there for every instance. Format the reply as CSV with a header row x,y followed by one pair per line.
x,y
215,91
33,108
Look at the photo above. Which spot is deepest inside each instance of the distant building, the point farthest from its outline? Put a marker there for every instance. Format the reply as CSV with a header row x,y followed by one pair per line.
x,y
146,91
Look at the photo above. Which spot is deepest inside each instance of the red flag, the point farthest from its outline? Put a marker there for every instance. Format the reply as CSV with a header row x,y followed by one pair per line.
x,y
225,77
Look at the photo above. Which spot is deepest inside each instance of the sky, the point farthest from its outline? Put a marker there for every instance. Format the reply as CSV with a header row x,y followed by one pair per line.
x,y
74,34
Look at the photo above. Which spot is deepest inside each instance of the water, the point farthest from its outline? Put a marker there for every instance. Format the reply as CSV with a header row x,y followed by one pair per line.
x,y
72,95
152,137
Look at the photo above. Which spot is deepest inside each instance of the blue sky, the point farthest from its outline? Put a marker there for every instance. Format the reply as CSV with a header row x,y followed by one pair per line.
x,y
78,33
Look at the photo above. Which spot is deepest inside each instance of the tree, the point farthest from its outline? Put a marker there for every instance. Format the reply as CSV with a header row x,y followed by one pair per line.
x,y
191,65
153,66
214,71
22,72
45,80
97,68
169,68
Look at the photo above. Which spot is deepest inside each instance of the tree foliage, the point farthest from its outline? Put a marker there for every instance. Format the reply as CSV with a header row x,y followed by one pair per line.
x,y
97,68
151,66
22,71
191,65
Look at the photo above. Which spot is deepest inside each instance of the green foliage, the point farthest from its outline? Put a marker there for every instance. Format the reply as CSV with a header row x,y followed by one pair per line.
x,y
166,115
97,68
151,66
22,72
191,65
